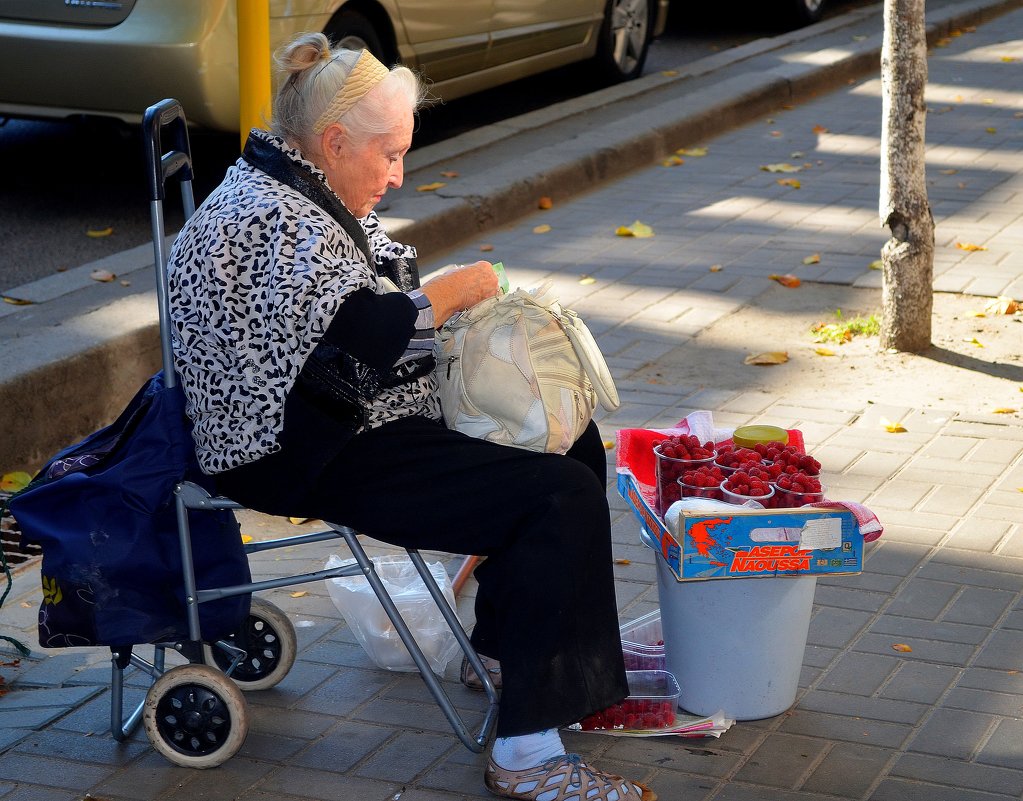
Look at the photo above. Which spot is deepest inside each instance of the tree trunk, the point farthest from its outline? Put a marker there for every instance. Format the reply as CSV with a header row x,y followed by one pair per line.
x,y
908,257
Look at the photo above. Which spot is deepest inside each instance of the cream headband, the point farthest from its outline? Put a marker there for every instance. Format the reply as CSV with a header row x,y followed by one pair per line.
x,y
366,74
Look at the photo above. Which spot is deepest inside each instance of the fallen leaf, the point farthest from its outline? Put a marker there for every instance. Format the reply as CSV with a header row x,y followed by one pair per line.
x,y
969,247
97,233
892,428
949,172
541,229
12,482
486,248
974,341
431,187
788,280
901,646
246,538
623,561
587,279
780,167
1003,410
716,268
770,357
299,594
16,301
673,161
991,130
793,182
545,203
695,152
813,258
1002,305
877,264
1009,59
449,174
824,351
975,314
820,129
609,444
102,275
637,229
298,521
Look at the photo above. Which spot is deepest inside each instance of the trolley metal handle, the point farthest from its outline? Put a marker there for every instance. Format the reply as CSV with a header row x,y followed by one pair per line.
x,y
160,164
168,117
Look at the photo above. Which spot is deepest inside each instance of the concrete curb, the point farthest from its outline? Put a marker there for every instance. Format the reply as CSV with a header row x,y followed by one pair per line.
x,y
71,361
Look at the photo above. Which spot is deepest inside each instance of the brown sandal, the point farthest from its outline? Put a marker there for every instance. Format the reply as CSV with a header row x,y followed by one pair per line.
x,y
469,678
567,775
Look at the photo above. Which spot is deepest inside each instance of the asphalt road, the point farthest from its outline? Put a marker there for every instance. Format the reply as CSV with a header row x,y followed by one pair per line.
x,y
63,179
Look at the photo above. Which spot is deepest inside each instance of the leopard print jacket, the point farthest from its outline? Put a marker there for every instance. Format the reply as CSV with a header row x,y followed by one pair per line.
x,y
256,276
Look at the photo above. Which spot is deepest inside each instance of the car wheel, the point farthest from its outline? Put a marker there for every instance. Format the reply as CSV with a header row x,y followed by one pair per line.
x,y
807,11
351,30
624,39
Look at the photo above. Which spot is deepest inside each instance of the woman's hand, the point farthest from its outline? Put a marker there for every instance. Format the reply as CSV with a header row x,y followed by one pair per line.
x,y
459,288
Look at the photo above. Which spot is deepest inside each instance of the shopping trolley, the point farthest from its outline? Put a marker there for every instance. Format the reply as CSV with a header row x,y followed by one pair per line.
x,y
194,714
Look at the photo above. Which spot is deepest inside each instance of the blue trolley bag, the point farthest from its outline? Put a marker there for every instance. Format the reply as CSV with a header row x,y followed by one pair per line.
x,y
103,513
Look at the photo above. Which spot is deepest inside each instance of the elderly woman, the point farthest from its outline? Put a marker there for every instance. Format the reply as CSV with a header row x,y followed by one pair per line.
x,y
309,384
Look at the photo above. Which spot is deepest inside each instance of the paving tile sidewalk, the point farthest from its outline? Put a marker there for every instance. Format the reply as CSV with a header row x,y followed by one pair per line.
x,y
942,722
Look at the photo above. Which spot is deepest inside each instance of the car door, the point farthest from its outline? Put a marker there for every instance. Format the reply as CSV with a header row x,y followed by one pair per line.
x,y
526,28
447,40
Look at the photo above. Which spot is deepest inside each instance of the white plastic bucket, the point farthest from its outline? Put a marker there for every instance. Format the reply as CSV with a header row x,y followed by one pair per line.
x,y
735,645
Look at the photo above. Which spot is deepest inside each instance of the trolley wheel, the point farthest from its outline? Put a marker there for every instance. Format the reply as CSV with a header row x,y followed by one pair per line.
x,y
195,716
270,644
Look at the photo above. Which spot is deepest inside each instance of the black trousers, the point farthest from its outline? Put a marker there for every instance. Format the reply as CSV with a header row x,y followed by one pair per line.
x,y
546,602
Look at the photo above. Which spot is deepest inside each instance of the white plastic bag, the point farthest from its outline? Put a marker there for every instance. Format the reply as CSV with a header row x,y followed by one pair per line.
x,y
367,619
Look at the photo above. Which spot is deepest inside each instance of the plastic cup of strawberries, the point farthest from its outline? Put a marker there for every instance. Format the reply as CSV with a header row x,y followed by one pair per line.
x,y
674,455
730,459
797,489
740,487
702,482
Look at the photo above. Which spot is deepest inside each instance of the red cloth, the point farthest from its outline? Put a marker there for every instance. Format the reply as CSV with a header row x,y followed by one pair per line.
x,y
634,452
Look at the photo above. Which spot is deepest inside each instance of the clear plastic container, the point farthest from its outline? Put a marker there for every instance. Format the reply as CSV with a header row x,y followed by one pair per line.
x,y
693,491
734,497
643,642
788,499
652,701
669,471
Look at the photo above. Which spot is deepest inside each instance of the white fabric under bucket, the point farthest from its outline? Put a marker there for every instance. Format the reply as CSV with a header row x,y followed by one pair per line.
x,y
735,645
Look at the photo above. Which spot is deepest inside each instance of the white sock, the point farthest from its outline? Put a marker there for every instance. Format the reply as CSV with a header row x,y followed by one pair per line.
x,y
527,750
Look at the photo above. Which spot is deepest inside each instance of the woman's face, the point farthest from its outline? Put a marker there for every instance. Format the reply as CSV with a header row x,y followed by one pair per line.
x,y
362,172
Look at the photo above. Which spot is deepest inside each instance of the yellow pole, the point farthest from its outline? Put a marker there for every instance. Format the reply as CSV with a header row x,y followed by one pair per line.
x,y
253,65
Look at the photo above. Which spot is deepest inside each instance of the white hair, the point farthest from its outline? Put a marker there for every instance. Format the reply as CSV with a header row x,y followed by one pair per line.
x,y
312,73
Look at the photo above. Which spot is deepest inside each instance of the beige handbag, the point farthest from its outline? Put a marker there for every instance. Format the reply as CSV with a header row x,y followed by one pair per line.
x,y
520,370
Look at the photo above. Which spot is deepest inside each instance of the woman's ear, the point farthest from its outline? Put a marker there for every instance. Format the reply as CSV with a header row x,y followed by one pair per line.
x,y
334,142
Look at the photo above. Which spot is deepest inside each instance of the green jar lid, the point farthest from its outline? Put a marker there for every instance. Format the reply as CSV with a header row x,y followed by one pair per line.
x,y
748,436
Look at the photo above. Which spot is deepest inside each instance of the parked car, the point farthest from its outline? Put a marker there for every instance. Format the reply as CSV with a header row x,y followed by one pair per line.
x,y
116,57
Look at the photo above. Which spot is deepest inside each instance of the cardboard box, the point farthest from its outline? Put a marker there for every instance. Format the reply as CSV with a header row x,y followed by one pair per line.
x,y
752,543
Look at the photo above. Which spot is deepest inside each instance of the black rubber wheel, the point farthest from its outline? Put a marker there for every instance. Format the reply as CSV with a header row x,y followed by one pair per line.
x,y
270,644
805,12
624,39
351,30
195,716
